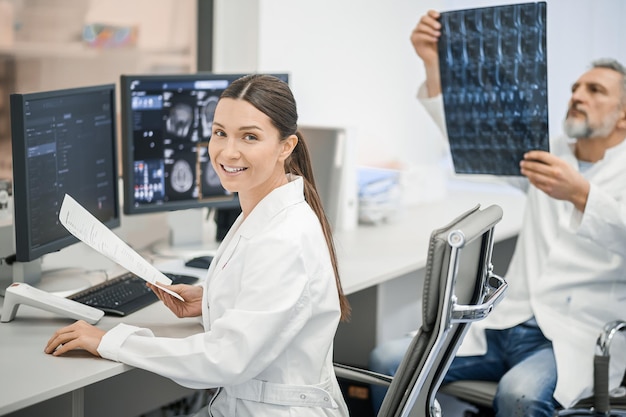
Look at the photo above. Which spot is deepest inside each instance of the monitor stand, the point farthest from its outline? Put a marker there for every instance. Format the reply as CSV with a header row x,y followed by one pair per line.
x,y
6,250
191,234
184,227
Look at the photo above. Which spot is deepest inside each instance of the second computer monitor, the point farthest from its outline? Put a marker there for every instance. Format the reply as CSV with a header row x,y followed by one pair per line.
x,y
64,141
166,126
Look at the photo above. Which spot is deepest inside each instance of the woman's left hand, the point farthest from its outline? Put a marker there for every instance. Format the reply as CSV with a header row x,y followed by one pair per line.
x,y
80,335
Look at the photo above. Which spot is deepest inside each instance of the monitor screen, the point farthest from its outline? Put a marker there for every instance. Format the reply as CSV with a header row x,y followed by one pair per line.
x,y
166,127
63,141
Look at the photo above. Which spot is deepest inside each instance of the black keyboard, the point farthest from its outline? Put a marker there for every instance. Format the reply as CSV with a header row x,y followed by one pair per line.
x,y
124,294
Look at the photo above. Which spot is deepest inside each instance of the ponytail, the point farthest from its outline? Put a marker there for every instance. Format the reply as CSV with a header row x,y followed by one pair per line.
x,y
274,98
299,163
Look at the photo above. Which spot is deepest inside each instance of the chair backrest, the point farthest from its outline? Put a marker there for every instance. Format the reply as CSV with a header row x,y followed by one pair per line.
x,y
459,287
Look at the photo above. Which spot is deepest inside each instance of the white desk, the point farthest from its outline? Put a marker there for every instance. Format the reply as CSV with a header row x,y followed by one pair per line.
x,y
371,255
368,256
29,376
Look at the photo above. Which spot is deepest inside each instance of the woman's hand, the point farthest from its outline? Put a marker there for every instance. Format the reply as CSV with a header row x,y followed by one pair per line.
x,y
80,335
192,294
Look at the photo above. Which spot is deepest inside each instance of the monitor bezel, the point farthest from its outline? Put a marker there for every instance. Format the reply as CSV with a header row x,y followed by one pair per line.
x,y
24,250
127,144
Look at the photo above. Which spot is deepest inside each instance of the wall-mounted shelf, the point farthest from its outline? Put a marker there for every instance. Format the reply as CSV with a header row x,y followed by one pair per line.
x,y
44,50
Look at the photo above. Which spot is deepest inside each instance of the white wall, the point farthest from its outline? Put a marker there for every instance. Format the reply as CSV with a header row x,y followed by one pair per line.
x,y
352,63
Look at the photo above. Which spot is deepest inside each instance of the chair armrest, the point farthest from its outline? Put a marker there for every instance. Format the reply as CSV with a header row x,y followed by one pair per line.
x,y
601,400
468,313
603,344
352,373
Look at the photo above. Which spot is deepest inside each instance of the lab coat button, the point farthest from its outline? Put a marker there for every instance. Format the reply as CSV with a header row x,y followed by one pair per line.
x,y
302,396
326,399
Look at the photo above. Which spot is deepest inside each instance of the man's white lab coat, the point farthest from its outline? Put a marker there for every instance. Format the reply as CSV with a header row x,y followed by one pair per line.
x,y
270,313
568,270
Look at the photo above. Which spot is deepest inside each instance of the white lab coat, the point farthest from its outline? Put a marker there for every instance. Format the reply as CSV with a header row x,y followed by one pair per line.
x,y
270,313
568,270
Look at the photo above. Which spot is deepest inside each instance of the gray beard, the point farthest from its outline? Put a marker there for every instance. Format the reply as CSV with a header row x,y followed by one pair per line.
x,y
582,130
576,129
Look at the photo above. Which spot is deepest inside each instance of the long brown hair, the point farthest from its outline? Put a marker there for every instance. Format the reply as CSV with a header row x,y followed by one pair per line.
x,y
274,98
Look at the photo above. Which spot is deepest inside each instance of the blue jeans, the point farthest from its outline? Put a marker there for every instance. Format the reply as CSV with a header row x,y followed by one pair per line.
x,y
520,358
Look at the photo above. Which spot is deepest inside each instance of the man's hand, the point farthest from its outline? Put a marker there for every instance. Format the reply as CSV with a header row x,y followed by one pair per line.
x,y
555,177
425,36
424,39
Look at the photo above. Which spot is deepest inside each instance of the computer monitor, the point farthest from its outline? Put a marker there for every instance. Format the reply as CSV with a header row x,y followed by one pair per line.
x,y
333,160
63,141
166,126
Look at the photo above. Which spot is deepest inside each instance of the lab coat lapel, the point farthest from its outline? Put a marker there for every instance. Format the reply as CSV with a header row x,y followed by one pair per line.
x,y
289,194
227,247
243,228
275,202
223,253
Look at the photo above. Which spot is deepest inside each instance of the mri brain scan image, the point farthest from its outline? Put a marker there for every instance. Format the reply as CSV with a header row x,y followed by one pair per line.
x,y
180,119
181,178
207,113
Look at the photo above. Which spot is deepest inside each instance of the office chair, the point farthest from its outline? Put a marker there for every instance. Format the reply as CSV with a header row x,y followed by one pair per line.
x,y
603,402
459,287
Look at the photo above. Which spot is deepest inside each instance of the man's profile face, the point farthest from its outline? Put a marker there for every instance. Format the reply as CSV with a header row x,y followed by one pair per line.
x,y
596,104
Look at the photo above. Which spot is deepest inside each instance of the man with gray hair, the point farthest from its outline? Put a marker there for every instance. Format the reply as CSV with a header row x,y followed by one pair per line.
x,y
567,277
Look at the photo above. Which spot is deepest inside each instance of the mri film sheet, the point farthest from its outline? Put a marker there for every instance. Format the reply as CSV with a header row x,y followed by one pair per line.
x,y
494,82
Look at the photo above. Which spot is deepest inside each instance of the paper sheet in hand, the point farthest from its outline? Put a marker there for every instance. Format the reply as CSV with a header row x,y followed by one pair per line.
x,y
82,224
493,69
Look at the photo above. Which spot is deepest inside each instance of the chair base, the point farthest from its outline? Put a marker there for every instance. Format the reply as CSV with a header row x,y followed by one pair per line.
x,y
580,412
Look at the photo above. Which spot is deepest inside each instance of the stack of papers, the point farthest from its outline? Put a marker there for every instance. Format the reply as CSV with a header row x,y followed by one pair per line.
x,y
379,194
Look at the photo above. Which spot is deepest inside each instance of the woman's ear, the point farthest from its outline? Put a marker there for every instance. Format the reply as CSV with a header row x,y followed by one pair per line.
x,y
288,145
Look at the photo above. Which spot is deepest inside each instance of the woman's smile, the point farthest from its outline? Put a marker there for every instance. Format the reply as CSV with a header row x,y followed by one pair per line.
x,y
232,169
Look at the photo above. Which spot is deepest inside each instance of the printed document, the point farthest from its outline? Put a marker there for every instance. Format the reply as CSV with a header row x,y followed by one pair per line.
x,y
82,224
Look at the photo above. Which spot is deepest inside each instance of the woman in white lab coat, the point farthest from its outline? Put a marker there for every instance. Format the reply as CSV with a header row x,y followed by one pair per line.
x,y
272,299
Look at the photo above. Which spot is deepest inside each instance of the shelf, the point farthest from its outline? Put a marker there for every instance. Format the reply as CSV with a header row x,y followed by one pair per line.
x,y
49,50
80,50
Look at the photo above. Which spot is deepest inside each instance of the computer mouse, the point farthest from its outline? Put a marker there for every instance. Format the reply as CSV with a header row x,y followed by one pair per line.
x,y
202,262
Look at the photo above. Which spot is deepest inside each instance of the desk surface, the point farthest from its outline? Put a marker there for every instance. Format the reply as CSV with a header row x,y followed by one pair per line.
x,y
371,255
368,255
29,376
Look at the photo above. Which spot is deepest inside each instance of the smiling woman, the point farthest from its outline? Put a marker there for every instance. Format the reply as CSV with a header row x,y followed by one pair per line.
x,y
247,151
272,297
267,117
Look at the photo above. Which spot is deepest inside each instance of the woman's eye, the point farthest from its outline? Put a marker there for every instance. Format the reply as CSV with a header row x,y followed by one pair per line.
x,y
250,137
219,133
